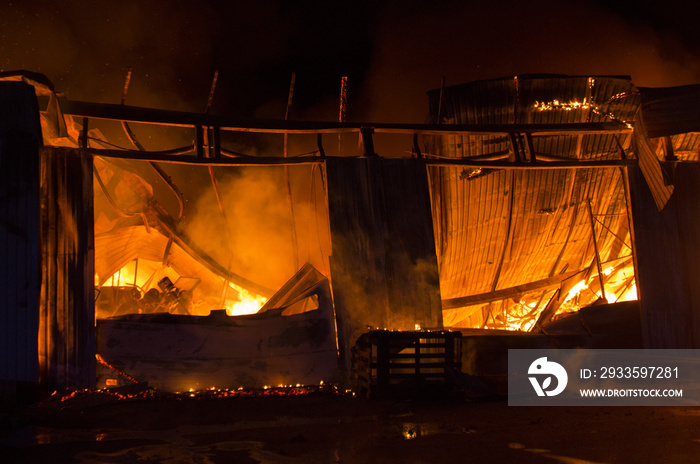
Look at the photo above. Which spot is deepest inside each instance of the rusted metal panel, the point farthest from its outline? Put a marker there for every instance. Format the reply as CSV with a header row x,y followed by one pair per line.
x,y
414,284
20,139
67,311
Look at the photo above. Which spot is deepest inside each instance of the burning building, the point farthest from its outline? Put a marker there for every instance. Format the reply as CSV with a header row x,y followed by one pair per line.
x,y
549,207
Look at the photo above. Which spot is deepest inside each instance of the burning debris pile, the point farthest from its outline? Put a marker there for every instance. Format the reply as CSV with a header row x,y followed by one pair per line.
x,y
288,342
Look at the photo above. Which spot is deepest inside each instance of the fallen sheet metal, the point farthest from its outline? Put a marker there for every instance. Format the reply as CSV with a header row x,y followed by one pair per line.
x,y
176,353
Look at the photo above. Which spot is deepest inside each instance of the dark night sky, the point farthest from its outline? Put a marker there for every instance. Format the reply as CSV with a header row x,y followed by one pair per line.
x,y
392,52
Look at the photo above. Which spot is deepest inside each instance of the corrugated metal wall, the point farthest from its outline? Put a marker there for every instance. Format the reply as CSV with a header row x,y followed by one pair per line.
x,y
20,138
67,320
383,265
668,259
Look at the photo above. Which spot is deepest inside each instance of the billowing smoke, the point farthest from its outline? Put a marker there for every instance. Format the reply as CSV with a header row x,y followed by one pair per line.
x,y
174,47
85,47
253,236
418,44
392,52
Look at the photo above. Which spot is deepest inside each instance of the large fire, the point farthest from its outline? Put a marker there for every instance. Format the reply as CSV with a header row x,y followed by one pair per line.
x,y
143,286
522,317
247,303
522,314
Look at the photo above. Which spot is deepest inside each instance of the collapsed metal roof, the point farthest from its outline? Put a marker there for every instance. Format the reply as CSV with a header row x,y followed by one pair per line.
x,y
525,220
507,239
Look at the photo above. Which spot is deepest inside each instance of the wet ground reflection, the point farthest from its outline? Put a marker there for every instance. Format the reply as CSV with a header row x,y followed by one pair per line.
x,y
338,429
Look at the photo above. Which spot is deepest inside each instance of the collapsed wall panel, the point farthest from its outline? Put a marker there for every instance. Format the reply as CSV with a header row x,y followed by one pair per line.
x,y
67,311
176,353
383,266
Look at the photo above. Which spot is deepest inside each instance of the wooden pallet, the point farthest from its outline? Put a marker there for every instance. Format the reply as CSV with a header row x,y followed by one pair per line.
x,y
392,363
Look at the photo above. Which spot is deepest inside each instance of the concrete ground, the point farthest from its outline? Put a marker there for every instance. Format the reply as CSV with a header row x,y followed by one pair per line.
x,y
324,427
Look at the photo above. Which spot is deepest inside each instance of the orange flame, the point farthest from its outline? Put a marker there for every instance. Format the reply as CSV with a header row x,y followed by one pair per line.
x,y
247,303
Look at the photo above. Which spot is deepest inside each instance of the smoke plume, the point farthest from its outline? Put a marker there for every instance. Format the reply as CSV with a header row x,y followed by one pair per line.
x,y
417,45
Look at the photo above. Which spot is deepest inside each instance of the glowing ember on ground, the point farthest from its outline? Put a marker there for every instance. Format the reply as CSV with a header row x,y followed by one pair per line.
x,y
209,393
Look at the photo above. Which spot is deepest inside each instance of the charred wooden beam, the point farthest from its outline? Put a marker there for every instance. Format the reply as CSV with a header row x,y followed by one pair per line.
x,y
216,142
209,142
620,148
573,164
